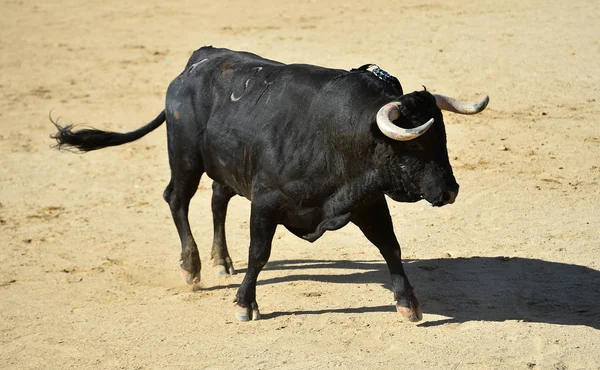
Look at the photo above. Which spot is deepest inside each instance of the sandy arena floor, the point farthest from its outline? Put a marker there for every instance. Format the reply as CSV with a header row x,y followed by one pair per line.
x,y
508,276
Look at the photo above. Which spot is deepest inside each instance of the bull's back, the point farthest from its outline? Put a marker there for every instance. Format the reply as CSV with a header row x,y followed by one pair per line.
x,y
249,113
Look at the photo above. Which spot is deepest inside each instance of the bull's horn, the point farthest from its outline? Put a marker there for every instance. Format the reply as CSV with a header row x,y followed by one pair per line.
x,y
390,112
457,106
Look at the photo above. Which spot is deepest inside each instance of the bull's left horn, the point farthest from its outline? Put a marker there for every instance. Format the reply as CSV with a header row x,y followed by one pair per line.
x,y
390,112
461,107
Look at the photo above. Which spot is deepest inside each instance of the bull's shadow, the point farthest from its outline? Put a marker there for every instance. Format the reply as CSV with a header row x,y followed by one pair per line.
x,y
466,289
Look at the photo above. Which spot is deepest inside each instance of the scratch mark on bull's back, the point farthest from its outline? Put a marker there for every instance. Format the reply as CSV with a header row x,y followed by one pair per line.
x,y
263,93
256,71
193,66
267,84
234,98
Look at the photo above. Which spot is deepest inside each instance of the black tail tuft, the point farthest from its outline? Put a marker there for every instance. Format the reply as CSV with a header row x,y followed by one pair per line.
x,y
83,140
91,139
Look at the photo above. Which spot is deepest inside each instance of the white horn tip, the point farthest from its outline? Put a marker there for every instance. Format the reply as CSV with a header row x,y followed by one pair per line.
x,y
461,107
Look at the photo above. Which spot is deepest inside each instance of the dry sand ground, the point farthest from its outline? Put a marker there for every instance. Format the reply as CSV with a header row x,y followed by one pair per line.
x,y
508,276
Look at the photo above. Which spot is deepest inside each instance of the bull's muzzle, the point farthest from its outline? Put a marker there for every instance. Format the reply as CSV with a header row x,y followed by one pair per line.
x,y
449,196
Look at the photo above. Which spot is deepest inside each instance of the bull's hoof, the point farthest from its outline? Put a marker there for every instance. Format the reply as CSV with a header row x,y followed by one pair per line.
x,y
225,268
247,313
411,313
191,279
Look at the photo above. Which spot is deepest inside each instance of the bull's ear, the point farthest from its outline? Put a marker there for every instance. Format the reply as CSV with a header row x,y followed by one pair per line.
x,y
391,112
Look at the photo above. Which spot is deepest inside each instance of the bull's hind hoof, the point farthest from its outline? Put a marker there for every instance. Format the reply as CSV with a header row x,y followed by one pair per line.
x,y
247,313
191,279
412,313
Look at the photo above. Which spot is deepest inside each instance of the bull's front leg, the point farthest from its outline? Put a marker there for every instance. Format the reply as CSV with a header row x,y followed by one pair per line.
x,y
375,222
263,222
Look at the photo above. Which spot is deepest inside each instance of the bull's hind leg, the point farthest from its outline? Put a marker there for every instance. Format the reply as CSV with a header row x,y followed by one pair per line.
x,y
375,222
178,194
219,255
186,169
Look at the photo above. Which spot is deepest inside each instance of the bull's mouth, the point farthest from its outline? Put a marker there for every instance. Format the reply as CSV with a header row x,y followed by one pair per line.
x,y
438,203
447,197
404,197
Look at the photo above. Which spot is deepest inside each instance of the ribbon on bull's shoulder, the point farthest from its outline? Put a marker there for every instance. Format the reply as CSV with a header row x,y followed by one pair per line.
x,y
379,73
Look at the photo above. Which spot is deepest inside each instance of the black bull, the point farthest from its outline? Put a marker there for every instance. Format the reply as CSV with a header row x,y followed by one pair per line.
x,y
312,148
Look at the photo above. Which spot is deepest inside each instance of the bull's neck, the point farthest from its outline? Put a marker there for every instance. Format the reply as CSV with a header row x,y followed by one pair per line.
x,y
393,167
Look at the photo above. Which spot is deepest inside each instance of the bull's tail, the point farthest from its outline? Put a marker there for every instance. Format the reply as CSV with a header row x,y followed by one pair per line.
x,y
91,139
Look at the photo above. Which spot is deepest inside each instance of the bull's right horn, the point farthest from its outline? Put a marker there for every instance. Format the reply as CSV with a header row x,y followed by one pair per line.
x,y
390,112
461,107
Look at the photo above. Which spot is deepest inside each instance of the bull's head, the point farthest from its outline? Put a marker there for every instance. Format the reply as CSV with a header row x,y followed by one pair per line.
x,y
420,166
